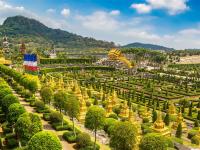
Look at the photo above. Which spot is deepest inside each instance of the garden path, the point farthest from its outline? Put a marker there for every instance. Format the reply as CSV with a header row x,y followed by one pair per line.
x,y
46,125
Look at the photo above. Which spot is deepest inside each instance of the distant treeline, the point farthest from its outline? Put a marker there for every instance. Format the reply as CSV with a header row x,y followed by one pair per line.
x,y
76,68
44,61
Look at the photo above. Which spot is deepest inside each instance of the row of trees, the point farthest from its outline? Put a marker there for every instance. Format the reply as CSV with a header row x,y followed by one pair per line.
x,y
29,83
25,126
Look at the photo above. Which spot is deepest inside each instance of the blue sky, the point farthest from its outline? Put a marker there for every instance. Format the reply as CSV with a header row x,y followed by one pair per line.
x,y
172,23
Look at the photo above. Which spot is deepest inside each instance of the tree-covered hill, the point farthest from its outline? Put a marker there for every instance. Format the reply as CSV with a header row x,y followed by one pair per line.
x,y
147,46
31,30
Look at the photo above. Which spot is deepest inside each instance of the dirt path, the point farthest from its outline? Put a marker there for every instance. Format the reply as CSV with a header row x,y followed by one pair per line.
x,y
46,125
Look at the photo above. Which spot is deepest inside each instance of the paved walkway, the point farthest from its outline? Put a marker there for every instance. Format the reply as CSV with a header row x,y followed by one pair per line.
x,y
46,125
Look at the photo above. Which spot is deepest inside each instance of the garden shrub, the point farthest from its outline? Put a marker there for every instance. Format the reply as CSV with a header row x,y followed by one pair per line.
x,y
46,116
56,117
12,143
39,105
26,94
108,123
192,133
44,140
153,141
69,137
195,140
177,140
83,140
114,116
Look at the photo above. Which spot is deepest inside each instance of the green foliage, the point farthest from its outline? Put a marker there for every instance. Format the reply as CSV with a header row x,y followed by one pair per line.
x,y
95,118
44,140
69,137
192,133
28,83
114,116
4,92
196,123
60,98
72,104
83,140
27,125
167,119
19,26
198,116
109,122
153,141
7,101
154,116
124,136
179,131
14,111
46,94
195,140
56,117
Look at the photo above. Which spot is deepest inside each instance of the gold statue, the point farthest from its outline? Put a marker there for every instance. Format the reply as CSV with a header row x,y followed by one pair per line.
x,y
172,109
115,54
124,111
179,120
159,126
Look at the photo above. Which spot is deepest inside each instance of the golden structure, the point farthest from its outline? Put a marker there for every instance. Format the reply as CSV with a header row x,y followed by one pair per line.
x,y
109,107
3,61
131,117
146,113
114,98
101,93
85,95
60,83
179,120
115,54
172,109
159,126
124,111
83,110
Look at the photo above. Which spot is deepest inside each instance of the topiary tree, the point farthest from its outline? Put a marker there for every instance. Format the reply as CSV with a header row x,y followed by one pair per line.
x,y
195,140
94,120
56,117
124,136
154,116
83,140
26,126
190,110
47,95
73,108
14,111
167,119
7,101
44,140
4,92
153,141
196,123
60,98
179,131
198,116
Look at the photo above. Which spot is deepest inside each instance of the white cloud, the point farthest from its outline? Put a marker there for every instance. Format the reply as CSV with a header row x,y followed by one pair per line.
x,y
115,12
173,7
106,26
65,12
99,20
51,10
142,8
